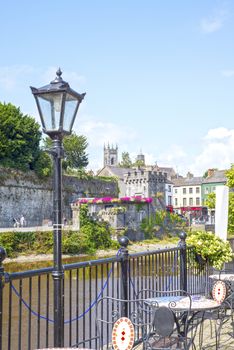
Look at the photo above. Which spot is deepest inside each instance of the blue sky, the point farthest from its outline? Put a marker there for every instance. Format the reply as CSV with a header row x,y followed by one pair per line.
x,y
159,75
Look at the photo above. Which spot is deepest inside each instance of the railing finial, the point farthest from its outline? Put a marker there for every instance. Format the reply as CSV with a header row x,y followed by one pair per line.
x,y
3,255
123,241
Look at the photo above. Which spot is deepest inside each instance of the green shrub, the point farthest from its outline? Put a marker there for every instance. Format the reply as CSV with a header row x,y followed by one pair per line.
x,y
211,248
17,242
7,241
43,242
76,243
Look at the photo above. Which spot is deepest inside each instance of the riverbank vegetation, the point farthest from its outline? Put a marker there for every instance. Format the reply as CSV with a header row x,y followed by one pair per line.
x,y
91,236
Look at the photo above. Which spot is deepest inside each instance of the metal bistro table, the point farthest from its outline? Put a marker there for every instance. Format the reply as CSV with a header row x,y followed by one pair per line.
x,y
197,305
181,303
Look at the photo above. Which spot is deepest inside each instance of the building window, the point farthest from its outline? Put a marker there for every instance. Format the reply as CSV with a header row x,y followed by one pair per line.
x,y
206,190
197,201
197,189
191,201
184,202
176,202
190,190
169,200
214,188
176,190
169,188
184,190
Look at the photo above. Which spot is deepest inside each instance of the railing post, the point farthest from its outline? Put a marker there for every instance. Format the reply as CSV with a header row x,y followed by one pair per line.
x,y
183,261
124,241
2,257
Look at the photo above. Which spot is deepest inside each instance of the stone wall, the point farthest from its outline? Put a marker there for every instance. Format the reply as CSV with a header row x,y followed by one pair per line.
x,y
25,194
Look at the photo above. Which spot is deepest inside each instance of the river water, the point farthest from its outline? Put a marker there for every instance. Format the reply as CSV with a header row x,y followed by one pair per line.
x,y
19,337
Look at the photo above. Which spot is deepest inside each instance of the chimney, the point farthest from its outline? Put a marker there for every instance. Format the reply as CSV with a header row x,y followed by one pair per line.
x,y
210,172
189,175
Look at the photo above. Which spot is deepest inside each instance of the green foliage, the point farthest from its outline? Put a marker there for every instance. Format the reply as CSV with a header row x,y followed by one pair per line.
x,y
7,241
139,206
91,237
97,233
230,176
126,161
162,223
17,242
211,248
75,157
43,165
230,183
210,200
19,139
231,213
76,243
44,242
75,151
139,163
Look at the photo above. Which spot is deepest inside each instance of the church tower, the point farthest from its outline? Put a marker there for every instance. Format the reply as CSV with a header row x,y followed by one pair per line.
x,y
110,155
141,159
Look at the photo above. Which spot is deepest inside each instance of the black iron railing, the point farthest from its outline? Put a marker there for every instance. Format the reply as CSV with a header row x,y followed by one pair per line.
x,y
26,298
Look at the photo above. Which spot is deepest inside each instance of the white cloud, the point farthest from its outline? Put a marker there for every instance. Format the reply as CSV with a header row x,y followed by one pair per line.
x,y
218,133
218,151
228,73
214,22
11,77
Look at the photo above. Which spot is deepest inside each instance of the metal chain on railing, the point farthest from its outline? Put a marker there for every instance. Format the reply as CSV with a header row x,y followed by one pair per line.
x,y
7,276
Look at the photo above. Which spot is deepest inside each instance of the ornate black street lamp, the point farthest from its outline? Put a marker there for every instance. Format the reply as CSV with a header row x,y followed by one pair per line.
x,y
58,105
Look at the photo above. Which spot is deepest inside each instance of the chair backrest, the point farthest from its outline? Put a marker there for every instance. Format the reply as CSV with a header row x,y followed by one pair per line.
x,y
164,321
172,310
219,291
226,276
112,313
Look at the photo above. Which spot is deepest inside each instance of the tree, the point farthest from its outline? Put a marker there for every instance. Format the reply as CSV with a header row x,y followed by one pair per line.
x,y
139,163
230,177
126,161
230,184
75,151
19,138
210,200
162,223
75,156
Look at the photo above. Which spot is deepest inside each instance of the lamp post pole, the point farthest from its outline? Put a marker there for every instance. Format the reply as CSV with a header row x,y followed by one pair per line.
x,y
57,105
58,273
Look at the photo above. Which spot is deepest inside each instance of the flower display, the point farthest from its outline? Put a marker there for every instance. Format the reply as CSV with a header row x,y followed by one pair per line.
x,y
135,199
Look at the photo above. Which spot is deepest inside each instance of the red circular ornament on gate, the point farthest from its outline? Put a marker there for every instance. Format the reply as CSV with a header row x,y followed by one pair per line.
x,y
219,291
123,334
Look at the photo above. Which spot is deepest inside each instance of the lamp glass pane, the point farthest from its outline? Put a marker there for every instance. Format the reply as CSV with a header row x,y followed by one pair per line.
x,y
51,105
69,112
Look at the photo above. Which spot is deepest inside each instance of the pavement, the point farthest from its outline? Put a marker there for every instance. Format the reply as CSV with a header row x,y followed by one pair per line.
x,y
35,228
